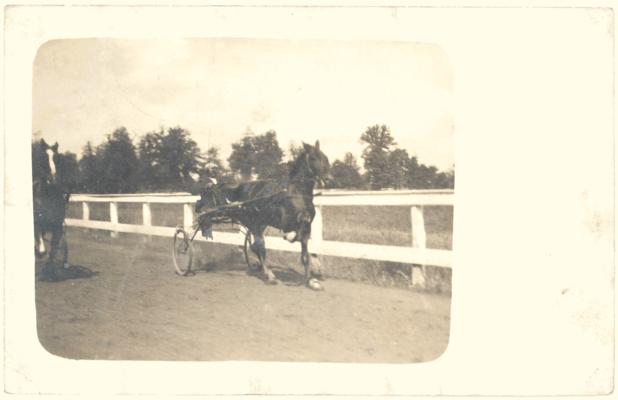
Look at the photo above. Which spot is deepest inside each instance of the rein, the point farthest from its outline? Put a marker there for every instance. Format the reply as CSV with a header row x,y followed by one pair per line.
x,y
287,195
303,175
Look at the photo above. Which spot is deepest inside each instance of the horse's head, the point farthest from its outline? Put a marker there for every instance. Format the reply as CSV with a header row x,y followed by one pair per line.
x,y
311,163
45,161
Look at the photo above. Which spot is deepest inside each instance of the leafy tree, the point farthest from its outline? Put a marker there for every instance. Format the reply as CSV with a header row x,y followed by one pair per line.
x,y
268,156
392,167
116,162
68,171
446,180
182,155
150,168
426,177
88,175
213,167
242,158
413,173
295,151
378,141
169,160
346,173
257,155
398,171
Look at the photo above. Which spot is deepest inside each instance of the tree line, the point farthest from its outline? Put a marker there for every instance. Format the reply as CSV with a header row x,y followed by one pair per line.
x,y
169,160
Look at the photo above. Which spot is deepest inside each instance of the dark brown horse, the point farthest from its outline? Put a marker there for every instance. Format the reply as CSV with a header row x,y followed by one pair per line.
x,y
49,203
287,206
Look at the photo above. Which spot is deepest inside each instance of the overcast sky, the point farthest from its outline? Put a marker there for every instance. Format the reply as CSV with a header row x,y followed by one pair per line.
x,y
219,88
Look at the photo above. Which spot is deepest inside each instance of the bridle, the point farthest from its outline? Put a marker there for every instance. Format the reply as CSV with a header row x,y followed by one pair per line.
x,y
308,174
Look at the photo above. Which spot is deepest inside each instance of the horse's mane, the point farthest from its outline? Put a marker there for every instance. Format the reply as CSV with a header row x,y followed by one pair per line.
x,y
295,165
38,160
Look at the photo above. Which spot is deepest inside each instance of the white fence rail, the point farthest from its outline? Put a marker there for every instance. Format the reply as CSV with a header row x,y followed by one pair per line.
x,y
418,253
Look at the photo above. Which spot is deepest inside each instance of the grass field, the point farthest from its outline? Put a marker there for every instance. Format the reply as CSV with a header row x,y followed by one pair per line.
x,y
387,225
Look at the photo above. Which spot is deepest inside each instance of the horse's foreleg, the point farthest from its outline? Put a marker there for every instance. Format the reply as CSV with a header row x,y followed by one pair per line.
x,y
304,258
305,234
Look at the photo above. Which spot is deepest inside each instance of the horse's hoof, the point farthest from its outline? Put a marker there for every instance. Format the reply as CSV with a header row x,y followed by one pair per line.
x,y
271,279
314,284
317,276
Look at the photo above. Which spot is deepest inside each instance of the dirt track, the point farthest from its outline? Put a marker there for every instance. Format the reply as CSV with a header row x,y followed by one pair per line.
x,y
135,307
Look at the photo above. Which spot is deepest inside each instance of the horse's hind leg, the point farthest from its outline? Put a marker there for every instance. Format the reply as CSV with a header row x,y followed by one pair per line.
x,y
259,248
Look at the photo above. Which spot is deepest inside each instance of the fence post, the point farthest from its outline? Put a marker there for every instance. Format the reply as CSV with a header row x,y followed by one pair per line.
x,y
187,215
419,241
113,216
146,215
146,220
85,211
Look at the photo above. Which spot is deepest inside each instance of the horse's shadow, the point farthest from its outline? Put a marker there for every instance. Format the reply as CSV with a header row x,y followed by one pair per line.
x,y
288,276
71,272
228,263
233,263
285,275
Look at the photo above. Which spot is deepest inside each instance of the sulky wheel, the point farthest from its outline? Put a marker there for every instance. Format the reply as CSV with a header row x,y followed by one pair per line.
x,y
253,262
182,252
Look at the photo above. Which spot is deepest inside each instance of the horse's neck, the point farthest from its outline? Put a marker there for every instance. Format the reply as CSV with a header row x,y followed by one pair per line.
x,y
301,181
38,172
304,187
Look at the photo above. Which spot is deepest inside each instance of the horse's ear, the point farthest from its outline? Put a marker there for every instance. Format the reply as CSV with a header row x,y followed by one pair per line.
x,y
317,145
55,147
43,143
306,146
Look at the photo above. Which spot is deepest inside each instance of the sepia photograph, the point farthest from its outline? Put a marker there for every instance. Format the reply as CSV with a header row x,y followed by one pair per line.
x,y
266,199
243,199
